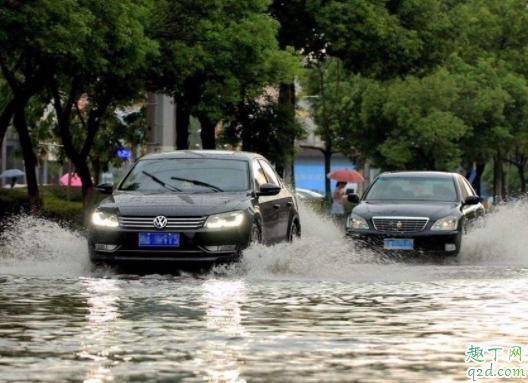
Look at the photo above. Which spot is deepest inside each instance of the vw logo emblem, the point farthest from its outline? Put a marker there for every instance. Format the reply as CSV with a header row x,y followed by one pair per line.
x,y
160,222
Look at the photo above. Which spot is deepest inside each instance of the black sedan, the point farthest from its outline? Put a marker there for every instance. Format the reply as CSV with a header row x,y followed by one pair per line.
x,y
426,212
192,206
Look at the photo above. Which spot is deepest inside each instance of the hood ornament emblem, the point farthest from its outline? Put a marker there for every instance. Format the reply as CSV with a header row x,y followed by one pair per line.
x,y
160,222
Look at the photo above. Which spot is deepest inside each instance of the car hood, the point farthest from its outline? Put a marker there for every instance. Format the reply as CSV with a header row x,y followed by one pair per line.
x,y
173,204
432,210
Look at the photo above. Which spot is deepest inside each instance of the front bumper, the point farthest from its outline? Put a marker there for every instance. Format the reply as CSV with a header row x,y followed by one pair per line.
x,y
424,242
195,245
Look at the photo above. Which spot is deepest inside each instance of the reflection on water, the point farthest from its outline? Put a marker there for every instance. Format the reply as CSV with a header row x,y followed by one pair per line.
x,y
219,355
237,330
99,338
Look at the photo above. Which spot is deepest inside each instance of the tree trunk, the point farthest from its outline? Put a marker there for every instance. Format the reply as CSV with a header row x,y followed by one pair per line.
x,y
287,102
498,178
477,182
96,165
522,177
5,119
208,133
30,159
183,119
88,190
246,131
327,163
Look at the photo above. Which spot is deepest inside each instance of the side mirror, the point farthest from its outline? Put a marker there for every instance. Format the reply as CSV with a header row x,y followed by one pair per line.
x,y
353,198
107,188
269,190
472,200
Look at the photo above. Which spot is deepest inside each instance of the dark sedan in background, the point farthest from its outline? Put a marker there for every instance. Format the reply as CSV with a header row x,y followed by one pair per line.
x,y
199,206
426,212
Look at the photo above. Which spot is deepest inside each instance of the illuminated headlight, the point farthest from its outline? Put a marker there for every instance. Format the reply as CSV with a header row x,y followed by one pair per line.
x,y
448,224
357,223
232,219
104,219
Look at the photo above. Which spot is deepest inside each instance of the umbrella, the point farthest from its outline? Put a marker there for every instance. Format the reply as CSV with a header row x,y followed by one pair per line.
x,y
75,180
12,173
346,175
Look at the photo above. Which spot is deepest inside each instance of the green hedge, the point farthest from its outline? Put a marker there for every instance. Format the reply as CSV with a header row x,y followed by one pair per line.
x,y
62,191
15,201
70,213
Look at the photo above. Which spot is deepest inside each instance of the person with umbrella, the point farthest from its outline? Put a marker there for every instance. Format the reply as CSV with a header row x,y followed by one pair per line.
x,y
342,176
12,174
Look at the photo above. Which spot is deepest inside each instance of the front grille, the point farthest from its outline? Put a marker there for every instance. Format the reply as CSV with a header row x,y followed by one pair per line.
x,y
400,224
179,223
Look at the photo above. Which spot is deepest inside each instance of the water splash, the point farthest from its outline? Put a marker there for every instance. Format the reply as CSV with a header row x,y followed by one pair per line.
x,y
323,252
37,246
499,239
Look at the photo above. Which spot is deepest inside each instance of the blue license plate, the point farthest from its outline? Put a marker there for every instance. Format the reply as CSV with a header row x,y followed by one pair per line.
x,y
159,239
399,244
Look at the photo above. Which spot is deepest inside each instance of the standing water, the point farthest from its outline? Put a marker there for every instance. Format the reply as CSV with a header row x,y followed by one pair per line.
x,y
314,310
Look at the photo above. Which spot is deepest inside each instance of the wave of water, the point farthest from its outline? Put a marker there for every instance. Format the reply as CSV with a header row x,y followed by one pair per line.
x,y
499,239
36,246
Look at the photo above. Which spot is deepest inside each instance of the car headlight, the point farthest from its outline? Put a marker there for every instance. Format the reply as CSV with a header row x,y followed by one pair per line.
x,y
232,219
357,223
104,219
447,223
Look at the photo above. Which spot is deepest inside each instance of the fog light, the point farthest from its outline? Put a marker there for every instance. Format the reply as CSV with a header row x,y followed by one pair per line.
x,y
450,247
105,247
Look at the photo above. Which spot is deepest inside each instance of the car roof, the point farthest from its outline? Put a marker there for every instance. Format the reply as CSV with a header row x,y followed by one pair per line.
x,y
418,174
213,154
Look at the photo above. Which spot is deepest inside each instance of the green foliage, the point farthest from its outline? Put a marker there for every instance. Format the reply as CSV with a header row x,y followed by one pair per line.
x,y
270,129
227,53
383,39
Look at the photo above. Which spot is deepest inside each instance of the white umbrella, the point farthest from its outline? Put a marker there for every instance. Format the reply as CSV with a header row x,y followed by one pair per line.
x,y
12,173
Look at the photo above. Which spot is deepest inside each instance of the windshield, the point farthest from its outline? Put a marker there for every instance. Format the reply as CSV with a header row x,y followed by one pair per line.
x,y
413,189
188,176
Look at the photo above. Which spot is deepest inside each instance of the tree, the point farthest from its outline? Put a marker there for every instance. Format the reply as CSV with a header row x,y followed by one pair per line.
x,y
106,66
332,87
384,39
215,56
31,32
516,120
495,32
298,29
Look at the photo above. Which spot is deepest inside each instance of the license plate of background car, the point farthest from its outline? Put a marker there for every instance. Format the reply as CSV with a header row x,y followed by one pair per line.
x,y
159,239
398,244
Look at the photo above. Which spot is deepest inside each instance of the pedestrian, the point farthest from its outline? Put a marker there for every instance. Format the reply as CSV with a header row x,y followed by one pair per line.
x,y
13,182
338,205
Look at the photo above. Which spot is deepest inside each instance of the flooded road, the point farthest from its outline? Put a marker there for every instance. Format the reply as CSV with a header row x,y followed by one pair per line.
x,y
311,311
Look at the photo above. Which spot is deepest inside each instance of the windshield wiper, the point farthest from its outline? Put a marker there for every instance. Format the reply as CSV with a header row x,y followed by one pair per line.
x,y
158,181
199,183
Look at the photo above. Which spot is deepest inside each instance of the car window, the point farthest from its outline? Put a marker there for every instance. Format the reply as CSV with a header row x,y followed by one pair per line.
x,y
186,175
406,188
468,187
463,188
270,173
258,173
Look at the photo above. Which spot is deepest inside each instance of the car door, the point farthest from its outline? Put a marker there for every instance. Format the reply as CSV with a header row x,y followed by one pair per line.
x,y
268,208
471,212
284,200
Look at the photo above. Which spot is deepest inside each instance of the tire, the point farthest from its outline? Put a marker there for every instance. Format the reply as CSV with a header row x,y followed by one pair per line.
x,y
295,231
